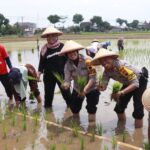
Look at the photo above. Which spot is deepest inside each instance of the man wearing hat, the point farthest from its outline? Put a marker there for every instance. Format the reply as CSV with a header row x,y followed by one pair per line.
x,y
51,63
134,83
19,77
78,68
146,103
4,62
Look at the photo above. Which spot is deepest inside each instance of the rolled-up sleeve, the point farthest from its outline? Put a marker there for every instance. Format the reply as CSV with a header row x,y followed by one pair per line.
x,y
135,82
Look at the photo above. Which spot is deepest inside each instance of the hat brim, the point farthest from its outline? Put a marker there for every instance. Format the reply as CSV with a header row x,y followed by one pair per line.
x,y
47,34
70,50
146,99
97,61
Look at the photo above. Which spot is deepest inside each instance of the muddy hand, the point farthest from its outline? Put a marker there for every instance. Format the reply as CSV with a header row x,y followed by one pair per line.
x,y
81,94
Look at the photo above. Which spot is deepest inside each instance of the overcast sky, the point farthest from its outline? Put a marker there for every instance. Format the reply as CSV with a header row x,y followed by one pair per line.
x,y
38,10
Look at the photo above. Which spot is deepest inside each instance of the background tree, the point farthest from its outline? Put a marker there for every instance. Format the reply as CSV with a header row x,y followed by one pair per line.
x,y
54,19
106,26
98,21
134,24
3,23
120,21
77,18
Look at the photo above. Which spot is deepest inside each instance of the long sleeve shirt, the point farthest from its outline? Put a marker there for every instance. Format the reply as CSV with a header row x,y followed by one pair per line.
x,y
51,62
122,72
83,69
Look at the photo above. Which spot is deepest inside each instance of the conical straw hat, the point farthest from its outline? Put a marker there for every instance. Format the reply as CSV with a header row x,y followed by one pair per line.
x,y
51,30
101,54
71,46
146,99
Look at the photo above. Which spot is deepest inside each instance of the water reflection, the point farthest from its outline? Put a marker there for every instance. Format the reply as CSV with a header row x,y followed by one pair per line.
x,y
136,52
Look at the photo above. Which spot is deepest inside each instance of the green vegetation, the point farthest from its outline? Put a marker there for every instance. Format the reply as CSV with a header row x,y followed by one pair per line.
x,y
99,129
116,87
106,147
59,77
53,147
81,81
146,146
82,145
114,142
93,136
5,131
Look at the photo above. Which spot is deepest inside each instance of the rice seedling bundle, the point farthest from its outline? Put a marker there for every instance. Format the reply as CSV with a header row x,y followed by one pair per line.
x,y
58,77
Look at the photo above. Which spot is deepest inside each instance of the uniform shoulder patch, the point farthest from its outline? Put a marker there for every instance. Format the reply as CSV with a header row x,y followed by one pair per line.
x,y
127,73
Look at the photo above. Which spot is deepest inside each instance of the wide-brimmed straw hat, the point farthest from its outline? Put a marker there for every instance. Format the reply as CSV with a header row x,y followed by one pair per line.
x,y
94,40
146,99
51,30
71,46
102,53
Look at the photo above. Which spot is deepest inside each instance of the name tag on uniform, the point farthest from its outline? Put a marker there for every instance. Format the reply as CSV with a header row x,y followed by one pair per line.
x,y
127,73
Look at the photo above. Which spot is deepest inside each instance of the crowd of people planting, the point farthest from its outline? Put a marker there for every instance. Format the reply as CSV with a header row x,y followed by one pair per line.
x,y
76,73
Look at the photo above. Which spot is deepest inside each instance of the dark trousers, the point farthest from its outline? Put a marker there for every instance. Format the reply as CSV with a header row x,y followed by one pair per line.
x,y
6,83
49,87
138,112
92,99
120,47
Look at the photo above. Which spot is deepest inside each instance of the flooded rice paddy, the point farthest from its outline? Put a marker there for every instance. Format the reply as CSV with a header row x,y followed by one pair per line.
x,y
37,132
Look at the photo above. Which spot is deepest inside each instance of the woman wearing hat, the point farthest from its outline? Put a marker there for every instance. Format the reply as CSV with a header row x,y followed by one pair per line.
x,y
78,67
51,63
134,83
19,77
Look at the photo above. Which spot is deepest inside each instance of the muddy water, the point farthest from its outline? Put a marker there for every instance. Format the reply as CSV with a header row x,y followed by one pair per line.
x,y
105,114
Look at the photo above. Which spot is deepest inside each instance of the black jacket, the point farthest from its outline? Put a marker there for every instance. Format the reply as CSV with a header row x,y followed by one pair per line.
x,y
53,64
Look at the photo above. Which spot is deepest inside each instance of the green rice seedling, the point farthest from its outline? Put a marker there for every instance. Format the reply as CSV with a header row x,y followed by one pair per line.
x,y
33,50
33,145
24,125
58,77
81,81
146,146
5,131
99,129
31,78
75,129
106,147
116,87
31,96
6,147
70,141
114,142
82,145
36,120
17,140
63,147
13,120
93,136
53,147
24,116
124,136
19,56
